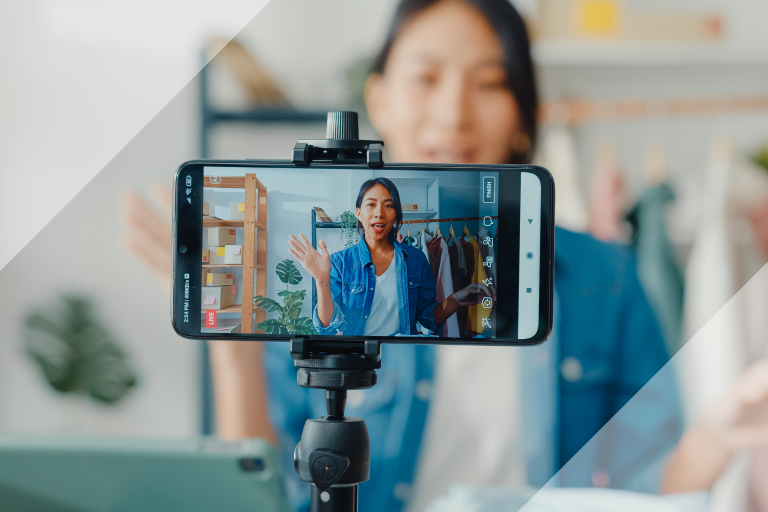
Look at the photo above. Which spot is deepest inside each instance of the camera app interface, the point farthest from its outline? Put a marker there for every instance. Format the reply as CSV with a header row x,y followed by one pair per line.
x,y
363,252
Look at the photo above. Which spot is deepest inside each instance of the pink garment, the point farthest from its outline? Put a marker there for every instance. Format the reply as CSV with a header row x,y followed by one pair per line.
x,y
606,201
444,282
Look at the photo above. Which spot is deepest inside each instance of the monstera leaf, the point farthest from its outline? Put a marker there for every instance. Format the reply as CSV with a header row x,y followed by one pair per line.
x,y
289,321
75,352
273,326
288,273
267,304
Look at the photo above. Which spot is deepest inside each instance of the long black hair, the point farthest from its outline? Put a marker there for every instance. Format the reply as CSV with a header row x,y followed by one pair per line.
x,y
510,29
393,193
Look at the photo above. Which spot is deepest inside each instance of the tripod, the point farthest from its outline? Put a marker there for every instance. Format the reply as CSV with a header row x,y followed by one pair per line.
x,y
334,453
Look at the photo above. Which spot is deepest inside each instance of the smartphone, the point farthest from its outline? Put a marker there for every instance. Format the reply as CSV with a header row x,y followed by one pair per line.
x,y
469,246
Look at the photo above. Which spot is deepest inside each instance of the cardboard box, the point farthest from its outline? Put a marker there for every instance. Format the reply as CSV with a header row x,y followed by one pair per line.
x,y
218,237
218,279
409,207
206,256
233,254
206,209
236,211
223,326
217,255
216,297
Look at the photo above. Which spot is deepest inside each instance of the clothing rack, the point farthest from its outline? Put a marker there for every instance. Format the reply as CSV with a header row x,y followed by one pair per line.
x,y
453,219
586,111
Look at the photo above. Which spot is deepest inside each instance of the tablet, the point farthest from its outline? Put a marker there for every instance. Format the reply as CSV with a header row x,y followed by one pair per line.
x,y
76,473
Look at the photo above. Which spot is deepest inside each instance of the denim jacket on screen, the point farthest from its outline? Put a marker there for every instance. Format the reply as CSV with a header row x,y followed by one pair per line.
x,y
353,283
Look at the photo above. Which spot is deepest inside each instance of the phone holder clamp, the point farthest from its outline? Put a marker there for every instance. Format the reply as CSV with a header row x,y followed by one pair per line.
x,y
341,145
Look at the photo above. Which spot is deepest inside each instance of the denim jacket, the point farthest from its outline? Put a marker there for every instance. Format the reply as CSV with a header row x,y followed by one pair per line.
x,y
603,325
353,283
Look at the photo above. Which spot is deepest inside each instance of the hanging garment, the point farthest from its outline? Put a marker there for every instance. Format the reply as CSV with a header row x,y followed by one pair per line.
x,y
466,279
441,269
478,314
424,237
657,264
558,154
607,197
458,262
717,355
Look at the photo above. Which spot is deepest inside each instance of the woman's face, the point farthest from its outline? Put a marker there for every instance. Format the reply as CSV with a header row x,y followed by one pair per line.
x,y
443,96
377,214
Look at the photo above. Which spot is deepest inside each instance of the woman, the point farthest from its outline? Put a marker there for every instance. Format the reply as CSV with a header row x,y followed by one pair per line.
x,y
399,275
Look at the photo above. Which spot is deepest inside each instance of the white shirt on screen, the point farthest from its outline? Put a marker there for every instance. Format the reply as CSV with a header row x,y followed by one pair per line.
x,y
384,318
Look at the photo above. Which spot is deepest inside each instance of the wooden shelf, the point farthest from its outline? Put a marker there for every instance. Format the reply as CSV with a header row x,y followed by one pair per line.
x,y
234,308
208,265
210,222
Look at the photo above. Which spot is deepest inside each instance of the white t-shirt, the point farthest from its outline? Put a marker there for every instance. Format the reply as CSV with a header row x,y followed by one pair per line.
x,y
384,318
472,435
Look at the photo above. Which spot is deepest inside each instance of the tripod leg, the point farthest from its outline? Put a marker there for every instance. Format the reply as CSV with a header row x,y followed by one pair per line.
x,y
334,499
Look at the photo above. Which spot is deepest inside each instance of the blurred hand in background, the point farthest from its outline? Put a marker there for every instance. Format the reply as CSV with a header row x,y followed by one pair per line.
x,y
149,234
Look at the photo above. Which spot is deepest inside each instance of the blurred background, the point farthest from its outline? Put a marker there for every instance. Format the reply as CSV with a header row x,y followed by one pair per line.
x,y
654,122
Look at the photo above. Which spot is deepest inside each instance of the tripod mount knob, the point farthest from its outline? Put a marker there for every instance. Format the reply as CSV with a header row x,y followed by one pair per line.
x,y
342,125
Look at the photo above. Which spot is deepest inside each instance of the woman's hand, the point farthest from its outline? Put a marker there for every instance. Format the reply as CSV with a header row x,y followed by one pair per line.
x,y
474,294
149,234
316,263
739,419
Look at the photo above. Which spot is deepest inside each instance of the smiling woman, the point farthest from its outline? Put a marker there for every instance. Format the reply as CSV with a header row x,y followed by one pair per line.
x,y
467,98
399,276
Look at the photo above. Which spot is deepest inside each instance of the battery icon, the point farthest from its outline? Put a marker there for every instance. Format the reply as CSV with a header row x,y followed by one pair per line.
x,y
189,181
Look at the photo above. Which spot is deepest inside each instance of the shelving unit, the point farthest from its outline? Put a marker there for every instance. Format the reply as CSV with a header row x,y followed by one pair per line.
x,y
253,246
210,117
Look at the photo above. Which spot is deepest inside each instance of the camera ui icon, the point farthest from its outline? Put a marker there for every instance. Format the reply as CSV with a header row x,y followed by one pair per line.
x,y
487,302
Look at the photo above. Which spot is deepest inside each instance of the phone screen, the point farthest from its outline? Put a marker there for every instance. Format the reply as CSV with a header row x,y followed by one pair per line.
x,y
269,250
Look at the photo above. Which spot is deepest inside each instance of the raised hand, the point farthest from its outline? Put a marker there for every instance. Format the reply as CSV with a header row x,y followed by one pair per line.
x,y
474,294
740,418
316,263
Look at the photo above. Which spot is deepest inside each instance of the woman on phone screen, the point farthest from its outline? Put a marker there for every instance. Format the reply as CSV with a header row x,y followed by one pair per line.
x,y
378,287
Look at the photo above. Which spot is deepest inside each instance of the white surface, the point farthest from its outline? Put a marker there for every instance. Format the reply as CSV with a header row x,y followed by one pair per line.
x,y
472,434
490,499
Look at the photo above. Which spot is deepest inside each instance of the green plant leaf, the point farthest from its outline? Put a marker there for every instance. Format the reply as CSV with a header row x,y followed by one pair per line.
x,y
303,325
288,272
75,352
267,304
272,326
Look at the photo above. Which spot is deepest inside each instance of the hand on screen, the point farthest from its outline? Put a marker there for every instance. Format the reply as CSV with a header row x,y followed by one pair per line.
x,y
474,294
316,263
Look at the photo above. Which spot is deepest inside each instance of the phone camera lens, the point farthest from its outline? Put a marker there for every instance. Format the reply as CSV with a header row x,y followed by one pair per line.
x,y
183,249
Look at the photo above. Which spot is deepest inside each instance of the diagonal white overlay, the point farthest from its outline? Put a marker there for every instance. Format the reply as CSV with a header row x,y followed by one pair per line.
x,y
80,78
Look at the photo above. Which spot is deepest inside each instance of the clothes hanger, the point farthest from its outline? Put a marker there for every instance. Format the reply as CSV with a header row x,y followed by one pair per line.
x,y
437,232
467,234
450,231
